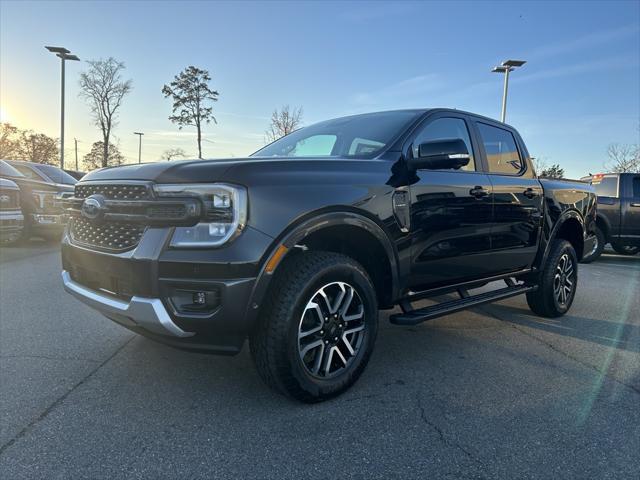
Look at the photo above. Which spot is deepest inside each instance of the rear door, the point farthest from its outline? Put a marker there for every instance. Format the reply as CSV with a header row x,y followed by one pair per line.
x,y
630,222
451,212
517,197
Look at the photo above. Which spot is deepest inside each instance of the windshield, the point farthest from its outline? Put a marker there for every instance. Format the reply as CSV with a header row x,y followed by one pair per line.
x,y
359,136
56,175
8,171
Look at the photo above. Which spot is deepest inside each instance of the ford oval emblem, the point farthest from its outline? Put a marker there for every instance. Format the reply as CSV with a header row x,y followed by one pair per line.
x,y
93,207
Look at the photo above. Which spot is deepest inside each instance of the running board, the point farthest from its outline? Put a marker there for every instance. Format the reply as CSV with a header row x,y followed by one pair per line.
x,y
413,317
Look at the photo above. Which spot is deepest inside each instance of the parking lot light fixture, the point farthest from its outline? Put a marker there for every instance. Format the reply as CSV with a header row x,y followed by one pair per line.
x,y
140,134
506,67
64,55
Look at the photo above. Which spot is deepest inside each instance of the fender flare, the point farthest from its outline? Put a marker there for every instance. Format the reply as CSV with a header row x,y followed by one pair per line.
x,y
302,229
566,215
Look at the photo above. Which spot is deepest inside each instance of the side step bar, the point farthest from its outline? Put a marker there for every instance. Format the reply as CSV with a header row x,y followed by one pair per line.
x,y
413,317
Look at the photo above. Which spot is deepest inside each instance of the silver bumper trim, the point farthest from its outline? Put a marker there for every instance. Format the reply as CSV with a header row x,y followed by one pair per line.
x,y
148,313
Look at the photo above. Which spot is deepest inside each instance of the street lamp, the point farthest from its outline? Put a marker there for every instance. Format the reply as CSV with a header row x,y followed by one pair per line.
x,y
506,67
139,145
63,54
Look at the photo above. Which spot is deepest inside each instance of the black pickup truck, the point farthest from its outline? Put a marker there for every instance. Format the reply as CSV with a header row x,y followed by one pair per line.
x,y
618,219
298,246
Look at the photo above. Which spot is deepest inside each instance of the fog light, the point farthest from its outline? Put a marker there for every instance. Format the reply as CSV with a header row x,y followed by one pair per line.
x,y
199,298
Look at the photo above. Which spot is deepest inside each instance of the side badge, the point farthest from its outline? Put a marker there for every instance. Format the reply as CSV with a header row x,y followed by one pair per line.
x,y
402,209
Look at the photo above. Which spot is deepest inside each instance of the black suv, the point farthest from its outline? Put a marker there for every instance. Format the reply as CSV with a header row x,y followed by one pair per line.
x,y
299,245
618,220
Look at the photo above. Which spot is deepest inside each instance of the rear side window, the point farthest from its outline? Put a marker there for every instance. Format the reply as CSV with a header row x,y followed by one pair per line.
x,y
606,186
502,153
636,187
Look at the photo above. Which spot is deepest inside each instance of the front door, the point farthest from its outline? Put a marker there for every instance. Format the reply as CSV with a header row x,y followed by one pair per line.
x,y
630,221
451,213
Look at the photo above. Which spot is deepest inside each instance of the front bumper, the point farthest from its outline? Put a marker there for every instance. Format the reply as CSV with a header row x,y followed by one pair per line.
x,y
143,289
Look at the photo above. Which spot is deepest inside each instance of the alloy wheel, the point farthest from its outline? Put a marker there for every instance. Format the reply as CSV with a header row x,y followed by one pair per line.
x,y
564,280
331,330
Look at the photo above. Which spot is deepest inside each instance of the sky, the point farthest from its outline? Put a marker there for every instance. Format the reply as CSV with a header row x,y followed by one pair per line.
x,y
578,92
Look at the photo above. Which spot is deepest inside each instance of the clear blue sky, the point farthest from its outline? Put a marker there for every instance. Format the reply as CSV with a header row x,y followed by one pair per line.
x,y
579,91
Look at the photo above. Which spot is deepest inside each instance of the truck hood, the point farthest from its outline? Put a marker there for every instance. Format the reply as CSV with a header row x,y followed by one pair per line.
x,y
195,171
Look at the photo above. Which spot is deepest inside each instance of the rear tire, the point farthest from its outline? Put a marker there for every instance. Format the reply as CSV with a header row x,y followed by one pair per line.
x,y
625,249
598,249
318,326
558,282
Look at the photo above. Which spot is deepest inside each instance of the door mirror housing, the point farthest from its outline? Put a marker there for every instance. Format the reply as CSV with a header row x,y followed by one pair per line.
x,y
441,154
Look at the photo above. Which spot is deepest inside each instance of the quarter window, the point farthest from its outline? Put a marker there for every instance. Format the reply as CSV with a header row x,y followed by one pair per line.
x,y
502,153
636,187
446,129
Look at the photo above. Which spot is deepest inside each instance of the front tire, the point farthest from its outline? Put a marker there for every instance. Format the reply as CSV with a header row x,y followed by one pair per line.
x,y
319,326
558,282
597,249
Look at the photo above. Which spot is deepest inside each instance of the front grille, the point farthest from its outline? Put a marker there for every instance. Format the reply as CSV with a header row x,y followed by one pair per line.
x,y
109,236
111,191
9,200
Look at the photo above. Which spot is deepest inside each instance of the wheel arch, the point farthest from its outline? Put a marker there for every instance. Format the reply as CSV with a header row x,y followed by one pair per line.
x,y
570,227
344,231
603,223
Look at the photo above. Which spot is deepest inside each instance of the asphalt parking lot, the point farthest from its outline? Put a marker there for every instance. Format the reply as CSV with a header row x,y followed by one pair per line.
x,y
491,393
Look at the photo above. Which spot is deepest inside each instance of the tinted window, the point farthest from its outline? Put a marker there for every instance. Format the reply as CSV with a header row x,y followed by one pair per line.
x,y
359,136
606,186
502,153
57,175
445,129
636,187
27,172
8,171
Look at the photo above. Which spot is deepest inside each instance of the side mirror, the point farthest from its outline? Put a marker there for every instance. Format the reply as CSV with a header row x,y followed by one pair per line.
x,y
441,154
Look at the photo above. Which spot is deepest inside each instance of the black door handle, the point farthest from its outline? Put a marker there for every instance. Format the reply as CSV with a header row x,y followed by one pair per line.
x,y
479,191
530,193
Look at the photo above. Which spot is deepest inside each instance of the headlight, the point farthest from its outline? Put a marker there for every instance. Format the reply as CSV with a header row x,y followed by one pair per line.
x,y
224,214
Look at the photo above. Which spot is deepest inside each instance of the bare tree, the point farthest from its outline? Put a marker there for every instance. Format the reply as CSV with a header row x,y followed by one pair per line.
x,y
283,122
540,164
103,88
172,153
623,158
191,93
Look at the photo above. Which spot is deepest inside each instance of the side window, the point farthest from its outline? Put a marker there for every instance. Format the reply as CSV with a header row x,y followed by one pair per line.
x,y
446,129
502,153
636,187
606,186
27,172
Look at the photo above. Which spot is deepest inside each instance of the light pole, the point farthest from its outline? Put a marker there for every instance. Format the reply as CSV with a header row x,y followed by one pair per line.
x,y
139,145
64,54
506,67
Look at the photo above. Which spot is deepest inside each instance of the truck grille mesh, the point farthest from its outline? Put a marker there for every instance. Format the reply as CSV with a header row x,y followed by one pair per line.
x,y
114,191
9,200
106,236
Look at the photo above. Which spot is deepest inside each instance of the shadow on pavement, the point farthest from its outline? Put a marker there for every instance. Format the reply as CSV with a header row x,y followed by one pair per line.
x,y
622,335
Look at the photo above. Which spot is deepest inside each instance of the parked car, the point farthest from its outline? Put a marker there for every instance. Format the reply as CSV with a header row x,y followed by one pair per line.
x,y
618,219
40,203
298,246
43,172
11,218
